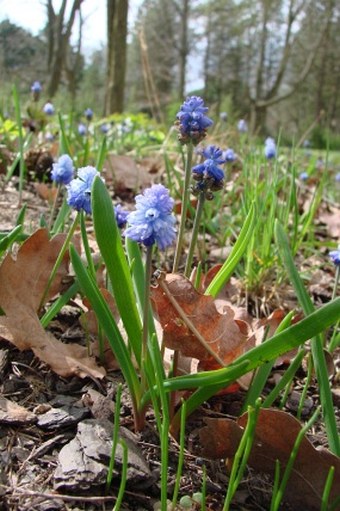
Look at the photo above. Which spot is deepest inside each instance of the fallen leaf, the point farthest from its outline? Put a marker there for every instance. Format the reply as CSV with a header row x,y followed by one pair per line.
x,y
22,284
275,435
215,321
12,413
128,174
46,192
23,280
331,219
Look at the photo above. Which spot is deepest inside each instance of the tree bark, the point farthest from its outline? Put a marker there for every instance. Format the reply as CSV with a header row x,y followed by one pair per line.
x,y
117,17
59,35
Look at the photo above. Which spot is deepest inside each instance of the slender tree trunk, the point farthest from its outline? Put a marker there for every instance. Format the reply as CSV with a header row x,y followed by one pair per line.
x,y
184,49
117,16
59,35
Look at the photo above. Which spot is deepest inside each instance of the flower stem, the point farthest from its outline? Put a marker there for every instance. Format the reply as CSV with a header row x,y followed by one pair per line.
x,y
184,208
336,281
148,271
54,206
195,229
59,259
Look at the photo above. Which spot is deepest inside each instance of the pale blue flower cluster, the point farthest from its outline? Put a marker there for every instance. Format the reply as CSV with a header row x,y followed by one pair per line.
x,y
335,256
121,215
192,121
152,221
36,87
82,129
79,189
242,126
88,114
270,148
63,171
48,108
210,166
229,156
303,176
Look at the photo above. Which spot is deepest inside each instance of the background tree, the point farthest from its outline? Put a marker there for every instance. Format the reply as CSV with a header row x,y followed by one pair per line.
x,y
58,32
117,18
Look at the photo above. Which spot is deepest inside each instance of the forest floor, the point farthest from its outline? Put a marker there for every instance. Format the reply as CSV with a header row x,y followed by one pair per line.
x,y
55,445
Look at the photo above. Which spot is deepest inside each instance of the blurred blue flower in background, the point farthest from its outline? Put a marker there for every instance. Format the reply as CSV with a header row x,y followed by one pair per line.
x,y
335,256
270,148
121,215
88,114
48,108
82,129
242,126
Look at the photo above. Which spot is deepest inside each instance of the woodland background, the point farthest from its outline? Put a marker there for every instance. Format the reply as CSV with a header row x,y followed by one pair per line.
x,y
275,63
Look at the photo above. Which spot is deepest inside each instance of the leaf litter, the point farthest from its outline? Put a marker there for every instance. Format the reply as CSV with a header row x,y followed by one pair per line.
x,y
22,284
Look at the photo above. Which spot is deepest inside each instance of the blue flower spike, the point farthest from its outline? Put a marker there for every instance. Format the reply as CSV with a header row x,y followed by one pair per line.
x,y
79,189
48,109
153,222
63,171
270,148
208,174
335,256
192,121
88,114
121,215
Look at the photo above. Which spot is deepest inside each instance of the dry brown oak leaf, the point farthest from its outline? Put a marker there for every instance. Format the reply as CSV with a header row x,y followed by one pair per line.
x,y
214,319
275,435
22,284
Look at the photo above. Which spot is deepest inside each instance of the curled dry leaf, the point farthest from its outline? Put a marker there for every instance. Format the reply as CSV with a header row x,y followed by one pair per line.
x,y
216,322
275,435
22,284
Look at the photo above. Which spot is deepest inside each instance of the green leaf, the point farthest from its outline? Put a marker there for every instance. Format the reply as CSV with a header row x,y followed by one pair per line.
x,y
210,382
107,322
7,240
110,244
235,255
318,354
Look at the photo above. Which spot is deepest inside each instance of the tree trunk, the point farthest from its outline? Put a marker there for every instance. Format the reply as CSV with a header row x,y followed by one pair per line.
x,y
117,15
184,49
59,40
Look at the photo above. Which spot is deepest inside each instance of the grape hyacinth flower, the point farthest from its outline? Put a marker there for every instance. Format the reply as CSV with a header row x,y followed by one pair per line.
x,y
121,215
63,170
88,114
82,129
49,137
153,221
36,89
337,177
270,148
192,121
104,128
229,156
79,189
335,256
208,174
303,176
48,108
242,126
